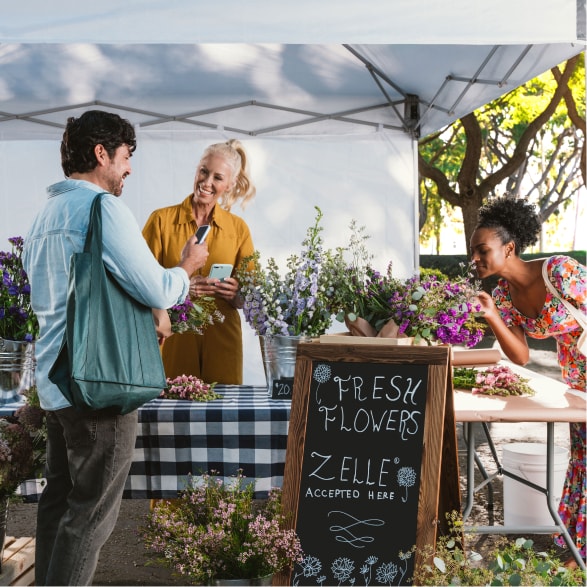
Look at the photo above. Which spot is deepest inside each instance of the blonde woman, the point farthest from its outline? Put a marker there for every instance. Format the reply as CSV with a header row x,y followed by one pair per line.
x,y
221,180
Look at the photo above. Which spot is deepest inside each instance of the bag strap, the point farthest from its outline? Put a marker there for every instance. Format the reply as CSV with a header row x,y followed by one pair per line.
x,y
579,316
93,243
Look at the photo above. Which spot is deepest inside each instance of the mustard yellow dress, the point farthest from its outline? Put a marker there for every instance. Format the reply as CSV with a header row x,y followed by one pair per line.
x,y
216,355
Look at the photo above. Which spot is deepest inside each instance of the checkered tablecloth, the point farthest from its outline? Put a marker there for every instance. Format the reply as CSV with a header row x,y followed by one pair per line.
x,y
246,429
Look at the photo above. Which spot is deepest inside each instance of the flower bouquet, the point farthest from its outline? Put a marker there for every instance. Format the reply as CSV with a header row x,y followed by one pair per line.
x,y
17,320
298,304
494,380
194,315
189,387
218,531
428,307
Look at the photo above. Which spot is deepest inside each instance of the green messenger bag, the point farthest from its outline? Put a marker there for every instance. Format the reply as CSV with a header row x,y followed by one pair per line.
x,y
109,357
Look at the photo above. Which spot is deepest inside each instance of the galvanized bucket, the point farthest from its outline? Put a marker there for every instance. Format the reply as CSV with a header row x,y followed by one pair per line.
x,y
17,369
279,357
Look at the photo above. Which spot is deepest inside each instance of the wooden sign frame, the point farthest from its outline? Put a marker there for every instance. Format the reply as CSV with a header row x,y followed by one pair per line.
x,y
439,451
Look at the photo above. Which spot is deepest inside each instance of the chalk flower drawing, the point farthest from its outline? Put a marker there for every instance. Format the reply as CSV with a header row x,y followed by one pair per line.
x,y
342,568
386,573
404,556
366,568
322,374
311,566
406,477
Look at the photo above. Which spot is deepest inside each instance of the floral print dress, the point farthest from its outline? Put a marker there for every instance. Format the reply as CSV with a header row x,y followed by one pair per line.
x,y
568,277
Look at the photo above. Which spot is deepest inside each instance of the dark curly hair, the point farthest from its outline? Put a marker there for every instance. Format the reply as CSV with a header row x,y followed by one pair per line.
x,y
512,219
94,127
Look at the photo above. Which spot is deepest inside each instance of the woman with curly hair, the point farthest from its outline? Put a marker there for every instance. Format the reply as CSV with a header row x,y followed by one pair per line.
x,y
522,305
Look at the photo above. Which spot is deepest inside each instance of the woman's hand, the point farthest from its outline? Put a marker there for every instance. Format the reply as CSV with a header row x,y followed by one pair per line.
x,y
226,289
487,306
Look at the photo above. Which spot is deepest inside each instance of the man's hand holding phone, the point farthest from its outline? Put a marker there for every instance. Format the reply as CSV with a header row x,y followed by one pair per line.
x,y
202,233
195,252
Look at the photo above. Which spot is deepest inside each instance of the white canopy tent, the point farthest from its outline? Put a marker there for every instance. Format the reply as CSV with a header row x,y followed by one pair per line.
x,y
327,97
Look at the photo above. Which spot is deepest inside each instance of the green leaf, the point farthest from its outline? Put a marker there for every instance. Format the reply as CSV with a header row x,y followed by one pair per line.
x,y
439,564
515,579
542,566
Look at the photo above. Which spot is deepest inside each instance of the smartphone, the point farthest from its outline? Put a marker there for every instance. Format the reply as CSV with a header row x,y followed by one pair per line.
x,y
220,271
202,233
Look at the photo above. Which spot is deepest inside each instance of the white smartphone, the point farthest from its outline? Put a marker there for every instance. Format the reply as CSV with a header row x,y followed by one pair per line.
x,y
202,233
220,271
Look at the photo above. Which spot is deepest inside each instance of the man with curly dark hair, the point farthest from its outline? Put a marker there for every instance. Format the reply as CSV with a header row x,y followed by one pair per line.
x,y
88,453
522,305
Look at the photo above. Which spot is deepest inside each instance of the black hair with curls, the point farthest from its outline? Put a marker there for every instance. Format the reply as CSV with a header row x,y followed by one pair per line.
x,y
512,219
94,127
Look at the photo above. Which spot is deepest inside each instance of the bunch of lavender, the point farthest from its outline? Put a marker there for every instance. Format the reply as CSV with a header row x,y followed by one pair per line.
x,y
189,387
194,316
218,531
17,319
300,303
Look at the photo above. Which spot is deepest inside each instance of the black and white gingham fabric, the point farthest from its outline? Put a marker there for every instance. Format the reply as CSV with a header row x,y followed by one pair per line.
x,y
246,429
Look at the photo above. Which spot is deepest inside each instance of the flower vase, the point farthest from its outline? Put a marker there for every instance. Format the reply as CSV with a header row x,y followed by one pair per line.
x,y
3,522
17,369
279,358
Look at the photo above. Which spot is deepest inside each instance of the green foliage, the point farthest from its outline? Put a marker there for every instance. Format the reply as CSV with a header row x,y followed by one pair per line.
x,y
510,563
500,148
431,271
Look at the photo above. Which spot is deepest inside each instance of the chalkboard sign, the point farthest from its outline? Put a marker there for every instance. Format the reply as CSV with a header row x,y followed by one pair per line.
x,y
363,461
282,388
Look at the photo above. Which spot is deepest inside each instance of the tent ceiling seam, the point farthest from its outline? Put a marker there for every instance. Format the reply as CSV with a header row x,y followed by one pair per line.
x,y
471,81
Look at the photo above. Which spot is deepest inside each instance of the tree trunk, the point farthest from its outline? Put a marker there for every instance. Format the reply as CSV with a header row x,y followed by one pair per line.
x,y
469,209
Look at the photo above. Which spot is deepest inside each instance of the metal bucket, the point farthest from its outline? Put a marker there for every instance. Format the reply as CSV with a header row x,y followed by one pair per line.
x,y
279,357
17,369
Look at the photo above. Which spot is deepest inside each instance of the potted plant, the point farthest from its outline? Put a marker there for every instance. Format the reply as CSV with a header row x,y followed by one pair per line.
x,y
22,452
298,303
286,309
216,532
18,324
509,562
17,319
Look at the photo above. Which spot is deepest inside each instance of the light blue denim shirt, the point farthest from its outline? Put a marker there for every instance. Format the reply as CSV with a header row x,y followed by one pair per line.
x,y
58,231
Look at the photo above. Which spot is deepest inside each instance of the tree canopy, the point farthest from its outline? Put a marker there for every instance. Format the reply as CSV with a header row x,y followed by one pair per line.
x,y
530,142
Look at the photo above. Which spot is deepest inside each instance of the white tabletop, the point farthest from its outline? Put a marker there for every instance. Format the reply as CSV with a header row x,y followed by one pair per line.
x,y
553,402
